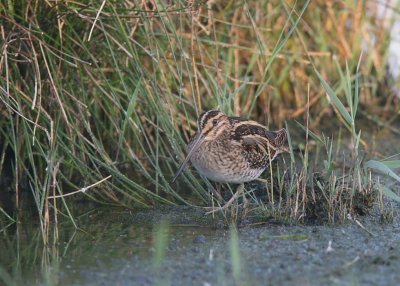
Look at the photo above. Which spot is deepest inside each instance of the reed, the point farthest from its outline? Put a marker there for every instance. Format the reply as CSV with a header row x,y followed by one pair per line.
x,y
100,98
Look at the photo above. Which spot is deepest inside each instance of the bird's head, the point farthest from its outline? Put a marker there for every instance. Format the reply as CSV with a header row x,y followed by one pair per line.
x,y
210,125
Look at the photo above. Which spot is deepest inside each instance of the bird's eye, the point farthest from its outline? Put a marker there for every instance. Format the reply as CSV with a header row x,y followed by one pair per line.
x,y
215,122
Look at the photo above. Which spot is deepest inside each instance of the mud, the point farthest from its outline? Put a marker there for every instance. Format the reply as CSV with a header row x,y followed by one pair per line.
x,y
119,248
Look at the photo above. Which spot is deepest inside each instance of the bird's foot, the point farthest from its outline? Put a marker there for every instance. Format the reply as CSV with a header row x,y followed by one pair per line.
x,y
228,203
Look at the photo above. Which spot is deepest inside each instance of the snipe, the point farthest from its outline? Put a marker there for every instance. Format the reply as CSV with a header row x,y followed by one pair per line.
x,y
231,149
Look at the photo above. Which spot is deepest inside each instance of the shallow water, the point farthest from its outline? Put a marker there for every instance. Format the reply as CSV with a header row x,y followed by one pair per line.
x,y
183,246
124,248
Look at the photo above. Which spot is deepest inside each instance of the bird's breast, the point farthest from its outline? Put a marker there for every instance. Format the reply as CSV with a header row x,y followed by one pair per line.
x,y
224,161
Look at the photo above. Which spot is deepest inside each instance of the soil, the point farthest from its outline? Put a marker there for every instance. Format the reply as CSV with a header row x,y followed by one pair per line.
x,y
119,248
123,247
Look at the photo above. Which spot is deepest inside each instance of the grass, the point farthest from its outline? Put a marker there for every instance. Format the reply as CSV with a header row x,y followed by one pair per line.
x,y
160,247
100,98
340,189
235,255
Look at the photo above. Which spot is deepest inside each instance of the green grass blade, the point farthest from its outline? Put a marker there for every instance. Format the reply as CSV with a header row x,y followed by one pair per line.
x,y
356,85
235,254
382,168
335,100
390,194
160,244
392,164
312,134
348,90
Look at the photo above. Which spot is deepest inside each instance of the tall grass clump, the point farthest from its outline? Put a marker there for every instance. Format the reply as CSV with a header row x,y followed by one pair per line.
x,y
342,187
100,98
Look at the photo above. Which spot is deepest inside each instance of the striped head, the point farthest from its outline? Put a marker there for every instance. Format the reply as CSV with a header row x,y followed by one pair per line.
x,y
211,124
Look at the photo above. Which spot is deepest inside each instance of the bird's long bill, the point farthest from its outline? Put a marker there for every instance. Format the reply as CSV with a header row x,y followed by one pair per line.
x,y
196,144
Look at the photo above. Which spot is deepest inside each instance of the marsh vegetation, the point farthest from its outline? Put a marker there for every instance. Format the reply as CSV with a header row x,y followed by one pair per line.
x,y
97,102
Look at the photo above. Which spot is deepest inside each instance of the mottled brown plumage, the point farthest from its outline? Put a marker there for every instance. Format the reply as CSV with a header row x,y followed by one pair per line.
x,y
231,149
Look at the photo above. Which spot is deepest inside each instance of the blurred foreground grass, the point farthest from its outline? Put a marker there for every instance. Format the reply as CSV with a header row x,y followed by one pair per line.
x,y
90,90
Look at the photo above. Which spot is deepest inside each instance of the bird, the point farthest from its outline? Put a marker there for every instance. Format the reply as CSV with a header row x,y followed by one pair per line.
x,y
232,150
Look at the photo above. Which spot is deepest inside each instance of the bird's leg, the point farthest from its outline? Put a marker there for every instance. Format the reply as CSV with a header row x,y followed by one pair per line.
x,y
217,192
239,191
245,205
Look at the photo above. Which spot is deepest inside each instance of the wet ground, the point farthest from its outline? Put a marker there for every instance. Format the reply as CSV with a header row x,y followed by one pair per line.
x,y
183,246
118,247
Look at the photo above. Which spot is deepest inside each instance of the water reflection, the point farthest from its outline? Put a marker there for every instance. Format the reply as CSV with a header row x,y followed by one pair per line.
x,y
108,245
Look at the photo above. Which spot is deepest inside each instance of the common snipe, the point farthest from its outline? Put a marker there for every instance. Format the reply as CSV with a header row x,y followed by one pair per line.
x,y
231,149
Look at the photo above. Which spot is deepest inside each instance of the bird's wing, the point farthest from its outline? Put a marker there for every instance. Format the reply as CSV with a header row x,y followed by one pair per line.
x,y
252,133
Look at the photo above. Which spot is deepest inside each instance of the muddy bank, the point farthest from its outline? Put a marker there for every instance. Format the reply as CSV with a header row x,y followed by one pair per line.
x,y
123,248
